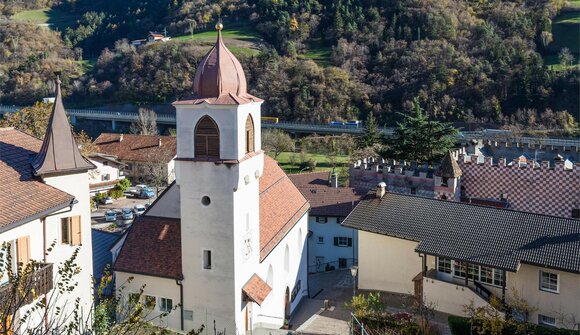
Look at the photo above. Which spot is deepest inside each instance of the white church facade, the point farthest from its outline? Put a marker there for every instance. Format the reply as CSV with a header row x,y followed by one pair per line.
x,y
227,240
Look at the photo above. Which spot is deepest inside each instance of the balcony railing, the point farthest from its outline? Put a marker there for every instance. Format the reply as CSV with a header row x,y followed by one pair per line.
x,y
39,282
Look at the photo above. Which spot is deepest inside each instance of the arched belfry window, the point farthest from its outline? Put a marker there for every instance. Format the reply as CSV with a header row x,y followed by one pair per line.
x,y
207,138
249,134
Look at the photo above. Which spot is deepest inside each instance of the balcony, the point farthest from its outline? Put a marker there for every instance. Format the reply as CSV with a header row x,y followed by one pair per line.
x,y
452,296
39,282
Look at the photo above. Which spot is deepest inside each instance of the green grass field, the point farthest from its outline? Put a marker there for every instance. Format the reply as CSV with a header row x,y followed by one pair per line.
x,y
323,162
47,16
553,62
566,31
241,39
320,55
573,4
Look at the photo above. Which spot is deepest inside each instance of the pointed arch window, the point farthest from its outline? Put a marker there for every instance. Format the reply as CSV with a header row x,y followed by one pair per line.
x,y
207,138
249,134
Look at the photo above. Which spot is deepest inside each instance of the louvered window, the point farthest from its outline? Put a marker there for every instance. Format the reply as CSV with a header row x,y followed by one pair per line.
x,y
207,138
249,134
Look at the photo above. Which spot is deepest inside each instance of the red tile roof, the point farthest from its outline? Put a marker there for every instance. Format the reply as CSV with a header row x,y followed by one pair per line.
x,y
138,148
325,200
256,289
24,197
152,247
281,205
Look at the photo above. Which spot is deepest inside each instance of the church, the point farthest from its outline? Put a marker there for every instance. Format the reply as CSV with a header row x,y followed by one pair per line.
x,y
224,246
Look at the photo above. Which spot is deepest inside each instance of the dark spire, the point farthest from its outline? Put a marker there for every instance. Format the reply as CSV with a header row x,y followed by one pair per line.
x,y
59,152
449,167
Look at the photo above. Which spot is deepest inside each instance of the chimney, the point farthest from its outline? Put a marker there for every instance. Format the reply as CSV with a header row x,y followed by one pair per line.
x,y
334,180
121,138
381,189
158,142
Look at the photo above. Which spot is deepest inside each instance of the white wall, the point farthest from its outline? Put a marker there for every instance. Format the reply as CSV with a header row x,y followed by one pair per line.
x,y
95,175
450,298
387,263
328,250
153,286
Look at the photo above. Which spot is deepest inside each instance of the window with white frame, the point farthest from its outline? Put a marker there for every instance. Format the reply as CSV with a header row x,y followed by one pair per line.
x,y
339,220
341,241
459,269
165,304
320,239
546,320
444,265
486,275
149,301
549,282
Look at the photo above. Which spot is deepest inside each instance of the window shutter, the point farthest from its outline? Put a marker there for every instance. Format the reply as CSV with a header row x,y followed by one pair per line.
x,y
318,219
207,140
23,249
336,241
350,242
76,230
249,134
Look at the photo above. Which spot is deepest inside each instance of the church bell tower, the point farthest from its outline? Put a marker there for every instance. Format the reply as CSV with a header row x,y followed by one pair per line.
x,y
218,166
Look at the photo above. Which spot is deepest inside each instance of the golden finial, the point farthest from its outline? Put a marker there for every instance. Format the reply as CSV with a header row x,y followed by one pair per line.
x,y
219,26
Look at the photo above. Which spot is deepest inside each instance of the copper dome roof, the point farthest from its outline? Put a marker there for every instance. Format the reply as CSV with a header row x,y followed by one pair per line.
x,y
219,78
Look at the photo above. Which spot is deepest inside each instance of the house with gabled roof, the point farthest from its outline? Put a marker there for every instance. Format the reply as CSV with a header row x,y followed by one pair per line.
x,y
330,245
45,217
226,241
450,254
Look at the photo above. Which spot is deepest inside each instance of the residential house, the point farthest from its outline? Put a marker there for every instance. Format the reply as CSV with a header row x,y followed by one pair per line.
x,y
151,38
227,241
452,254
45,217
147,158
330,245
108,173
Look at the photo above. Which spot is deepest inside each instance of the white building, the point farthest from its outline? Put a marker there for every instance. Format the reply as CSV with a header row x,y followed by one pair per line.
x,y
227,239
108,172
330,245
45,201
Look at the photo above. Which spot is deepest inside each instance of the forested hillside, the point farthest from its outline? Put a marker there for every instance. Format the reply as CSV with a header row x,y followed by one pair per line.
x,y
471,60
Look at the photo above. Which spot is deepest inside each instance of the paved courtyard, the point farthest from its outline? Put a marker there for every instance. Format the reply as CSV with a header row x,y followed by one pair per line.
x,y
311,318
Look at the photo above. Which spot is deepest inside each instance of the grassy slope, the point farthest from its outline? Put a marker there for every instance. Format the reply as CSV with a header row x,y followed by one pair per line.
x,y
320,55
322,161
53,17
240,39
566,31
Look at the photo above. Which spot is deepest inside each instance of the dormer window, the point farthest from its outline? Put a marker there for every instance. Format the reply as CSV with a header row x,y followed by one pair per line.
x,y
249,134
207,138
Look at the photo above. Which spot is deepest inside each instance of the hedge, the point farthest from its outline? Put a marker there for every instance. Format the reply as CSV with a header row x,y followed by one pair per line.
x,y
461,326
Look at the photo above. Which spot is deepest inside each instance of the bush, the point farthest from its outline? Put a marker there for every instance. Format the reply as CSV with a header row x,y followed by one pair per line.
x,y
116,193
124,184
461,326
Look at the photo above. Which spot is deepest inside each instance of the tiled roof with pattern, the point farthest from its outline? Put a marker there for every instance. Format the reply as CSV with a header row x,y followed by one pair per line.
x,y
256,289
326,200
24,197
138,148
494,237
281,205
152,247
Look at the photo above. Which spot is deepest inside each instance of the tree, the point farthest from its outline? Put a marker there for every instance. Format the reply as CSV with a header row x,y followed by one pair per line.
x,y
420,139
85,143
276,141
566,58
32,120
372,134
146,123
120,313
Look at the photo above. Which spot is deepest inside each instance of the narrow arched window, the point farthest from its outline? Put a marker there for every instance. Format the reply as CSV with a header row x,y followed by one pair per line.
x,y
207,138
249,134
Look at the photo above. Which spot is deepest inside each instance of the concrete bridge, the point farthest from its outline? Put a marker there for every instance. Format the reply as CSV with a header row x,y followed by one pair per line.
x,y
323,129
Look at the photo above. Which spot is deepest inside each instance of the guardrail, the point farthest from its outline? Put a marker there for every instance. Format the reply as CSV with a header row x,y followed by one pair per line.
x,y
332,266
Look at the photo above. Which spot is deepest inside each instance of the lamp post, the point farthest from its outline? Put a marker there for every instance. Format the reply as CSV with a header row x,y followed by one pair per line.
x,y
353,273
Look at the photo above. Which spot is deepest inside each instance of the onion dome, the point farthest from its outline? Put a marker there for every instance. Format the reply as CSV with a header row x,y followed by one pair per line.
x,y
219,78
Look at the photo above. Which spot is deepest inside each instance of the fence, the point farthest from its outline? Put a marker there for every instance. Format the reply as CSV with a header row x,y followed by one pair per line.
x,y
341,264
356,327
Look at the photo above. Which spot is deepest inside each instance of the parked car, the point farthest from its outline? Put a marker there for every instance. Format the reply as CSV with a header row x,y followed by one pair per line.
x,y
127,214
139,209
111,216
146,193
107,201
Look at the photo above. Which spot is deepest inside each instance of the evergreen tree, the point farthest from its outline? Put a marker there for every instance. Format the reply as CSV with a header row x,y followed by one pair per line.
x,y
420,139
372,134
